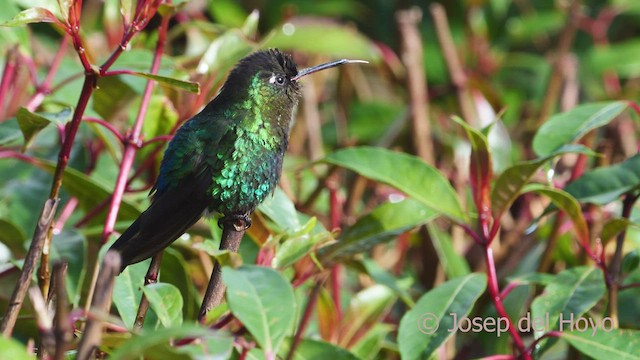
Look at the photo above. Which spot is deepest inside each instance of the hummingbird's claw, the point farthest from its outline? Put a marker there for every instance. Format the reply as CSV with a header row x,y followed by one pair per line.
x,y
240,222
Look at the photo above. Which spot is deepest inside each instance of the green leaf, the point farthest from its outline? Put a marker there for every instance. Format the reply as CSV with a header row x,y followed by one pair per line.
x,y
533,278
127,293
329,39
32,15
14,350
300,244
568,127
510,183
166,302
618,57
566,203
407,173
452,262
383,224
31,123
612,228
606,345
190,86
429,324
157,342
224,51
112,97
263,301
572,293
606,184
309,349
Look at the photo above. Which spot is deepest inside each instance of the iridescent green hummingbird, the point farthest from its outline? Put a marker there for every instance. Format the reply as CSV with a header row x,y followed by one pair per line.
x,y
227,158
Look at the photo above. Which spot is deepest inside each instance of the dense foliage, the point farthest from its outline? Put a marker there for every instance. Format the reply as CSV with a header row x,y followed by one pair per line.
x,y
489,211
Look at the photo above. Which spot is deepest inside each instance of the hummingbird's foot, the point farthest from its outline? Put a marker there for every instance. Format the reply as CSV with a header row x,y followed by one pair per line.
x,y
240,222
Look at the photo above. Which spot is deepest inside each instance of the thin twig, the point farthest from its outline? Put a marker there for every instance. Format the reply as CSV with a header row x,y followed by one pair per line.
x,y
150,278
62,330
232,233
412,57
35,249
100,306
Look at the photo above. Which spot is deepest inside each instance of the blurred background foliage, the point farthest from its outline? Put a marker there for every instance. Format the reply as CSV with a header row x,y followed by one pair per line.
x,y
511,53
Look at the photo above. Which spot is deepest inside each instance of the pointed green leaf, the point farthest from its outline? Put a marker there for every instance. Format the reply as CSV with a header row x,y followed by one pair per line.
x,y
606,184
616,344
406,173
612,228
566,203
263,301
383,224
32,15
300,244
570,126
572,293
166,302
429,324
281,210
509,184
190,86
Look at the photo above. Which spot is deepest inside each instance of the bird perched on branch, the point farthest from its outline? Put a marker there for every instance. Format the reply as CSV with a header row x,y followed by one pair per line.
x,y
226,159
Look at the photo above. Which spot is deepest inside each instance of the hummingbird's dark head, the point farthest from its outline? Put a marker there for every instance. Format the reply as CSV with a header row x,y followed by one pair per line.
x,y
266,75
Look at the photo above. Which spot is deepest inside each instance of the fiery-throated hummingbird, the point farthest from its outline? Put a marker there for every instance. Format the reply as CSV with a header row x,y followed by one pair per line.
x,y
227,158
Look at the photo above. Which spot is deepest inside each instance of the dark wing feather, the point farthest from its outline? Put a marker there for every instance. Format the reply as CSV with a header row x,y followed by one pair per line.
x,y
170,215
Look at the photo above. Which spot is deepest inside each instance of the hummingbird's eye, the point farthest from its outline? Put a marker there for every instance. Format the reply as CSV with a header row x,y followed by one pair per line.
x,y
277,79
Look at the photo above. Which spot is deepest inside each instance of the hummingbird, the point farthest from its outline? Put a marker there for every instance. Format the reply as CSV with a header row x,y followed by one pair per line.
x,y
226,159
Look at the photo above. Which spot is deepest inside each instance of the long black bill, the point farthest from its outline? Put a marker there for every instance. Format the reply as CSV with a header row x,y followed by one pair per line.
x,y
311,70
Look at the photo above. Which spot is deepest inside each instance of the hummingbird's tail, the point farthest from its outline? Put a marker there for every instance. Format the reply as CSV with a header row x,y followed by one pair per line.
x,y
170,215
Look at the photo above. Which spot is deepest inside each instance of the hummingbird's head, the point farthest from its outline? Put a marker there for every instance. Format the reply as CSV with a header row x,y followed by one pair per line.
x,y
266,77
271,76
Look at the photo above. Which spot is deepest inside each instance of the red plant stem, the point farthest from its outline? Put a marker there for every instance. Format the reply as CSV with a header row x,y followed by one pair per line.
x,y
494,291
8,75
304,321
91,214
133,140
45,87
70,134
106,125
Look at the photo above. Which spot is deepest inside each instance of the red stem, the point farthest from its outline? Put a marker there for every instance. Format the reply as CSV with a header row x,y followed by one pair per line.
x,y
304,321
494,290
133,140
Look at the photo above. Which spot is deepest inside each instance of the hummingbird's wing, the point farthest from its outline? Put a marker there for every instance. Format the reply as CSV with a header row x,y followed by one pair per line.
x,y
181,192
170,215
